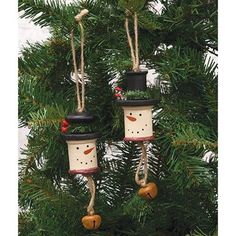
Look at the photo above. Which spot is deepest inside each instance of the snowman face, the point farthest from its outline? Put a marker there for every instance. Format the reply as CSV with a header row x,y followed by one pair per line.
x,y
138,121
82,154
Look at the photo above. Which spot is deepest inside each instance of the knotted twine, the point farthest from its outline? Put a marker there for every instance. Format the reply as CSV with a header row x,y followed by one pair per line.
x,y
143,161
75,71
80,100
92,190
129,39
134,53
136,41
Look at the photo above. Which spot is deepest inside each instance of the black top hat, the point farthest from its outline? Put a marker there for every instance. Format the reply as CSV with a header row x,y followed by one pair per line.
x,y
136,80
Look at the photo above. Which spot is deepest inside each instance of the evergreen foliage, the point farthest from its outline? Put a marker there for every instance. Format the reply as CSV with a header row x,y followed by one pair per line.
x,y
175,42
132,95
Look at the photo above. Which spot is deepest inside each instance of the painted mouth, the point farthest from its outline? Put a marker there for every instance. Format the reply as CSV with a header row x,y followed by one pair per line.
x,y
131,118
86,152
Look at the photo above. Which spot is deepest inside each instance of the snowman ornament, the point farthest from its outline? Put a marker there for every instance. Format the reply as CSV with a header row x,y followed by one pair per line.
x,y
82,144
83,159
139,129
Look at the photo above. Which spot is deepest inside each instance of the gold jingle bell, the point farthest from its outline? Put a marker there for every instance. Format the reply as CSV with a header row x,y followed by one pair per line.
x,y
149,191
91,222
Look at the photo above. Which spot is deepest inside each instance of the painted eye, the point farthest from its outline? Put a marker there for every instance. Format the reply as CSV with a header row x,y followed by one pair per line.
x,y
146,125
87,145
86,163
77,148
142,129
140,114
81,162
91,161
137,132
130,113
77,159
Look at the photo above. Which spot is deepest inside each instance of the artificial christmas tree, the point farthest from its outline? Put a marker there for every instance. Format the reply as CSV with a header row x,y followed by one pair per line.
x,y
174,42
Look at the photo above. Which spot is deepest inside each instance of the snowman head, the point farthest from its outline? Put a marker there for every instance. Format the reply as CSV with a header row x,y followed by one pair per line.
x,y
82,155
138,122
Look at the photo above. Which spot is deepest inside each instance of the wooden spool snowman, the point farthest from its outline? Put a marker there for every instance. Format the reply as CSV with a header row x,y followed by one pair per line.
x,y
82,154
82,145
139,128
138,112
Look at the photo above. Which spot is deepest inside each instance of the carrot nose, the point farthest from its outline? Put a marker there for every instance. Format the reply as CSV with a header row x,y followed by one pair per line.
x,y
86,152
131,118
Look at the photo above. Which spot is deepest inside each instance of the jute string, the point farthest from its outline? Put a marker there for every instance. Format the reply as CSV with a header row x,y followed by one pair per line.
x,y
129,40
143,161
82,63
134,52
136,41
75,70
80,99
92,190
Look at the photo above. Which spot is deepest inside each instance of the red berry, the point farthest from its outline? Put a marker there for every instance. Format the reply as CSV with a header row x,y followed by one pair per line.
x,y
117,95
64,129
64,123
118,88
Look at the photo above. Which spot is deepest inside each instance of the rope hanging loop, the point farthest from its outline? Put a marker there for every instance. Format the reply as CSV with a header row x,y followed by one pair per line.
x,y
143,162
91,221
148,190
134,50
79,17
80,97
92,189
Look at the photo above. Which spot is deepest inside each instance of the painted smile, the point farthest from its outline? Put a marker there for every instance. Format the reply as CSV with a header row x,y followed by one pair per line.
x,y
86,152
131,118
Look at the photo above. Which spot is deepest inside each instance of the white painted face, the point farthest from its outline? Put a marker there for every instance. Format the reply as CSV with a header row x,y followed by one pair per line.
x,y
82,154
138,121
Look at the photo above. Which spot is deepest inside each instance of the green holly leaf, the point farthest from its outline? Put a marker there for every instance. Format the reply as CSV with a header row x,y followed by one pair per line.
x,y
132,5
